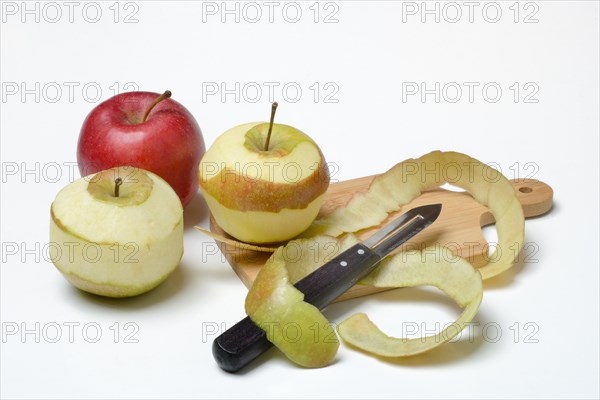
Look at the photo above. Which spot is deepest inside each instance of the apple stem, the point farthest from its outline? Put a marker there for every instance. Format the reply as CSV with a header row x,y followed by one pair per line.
x,y
118,183
273,109
160,98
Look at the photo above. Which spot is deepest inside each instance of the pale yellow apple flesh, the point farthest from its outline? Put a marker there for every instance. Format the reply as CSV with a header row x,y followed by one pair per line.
x,y
263,196
117,246
263,226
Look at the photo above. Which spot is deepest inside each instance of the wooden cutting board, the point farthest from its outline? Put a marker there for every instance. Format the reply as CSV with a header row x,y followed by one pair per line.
x,y
458,227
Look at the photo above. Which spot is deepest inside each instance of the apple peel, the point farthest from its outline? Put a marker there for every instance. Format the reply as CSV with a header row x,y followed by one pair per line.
x,y
407,180
274,301
456,278
305,336
236,243
297,328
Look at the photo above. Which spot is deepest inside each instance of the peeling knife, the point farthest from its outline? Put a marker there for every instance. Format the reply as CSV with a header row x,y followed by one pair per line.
x,y
245,341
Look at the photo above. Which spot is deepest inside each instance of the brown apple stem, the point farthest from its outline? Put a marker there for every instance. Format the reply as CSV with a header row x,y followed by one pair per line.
x,y
160,98
118,183
273,109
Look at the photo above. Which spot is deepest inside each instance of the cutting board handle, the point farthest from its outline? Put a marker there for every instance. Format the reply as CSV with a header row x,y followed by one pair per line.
x,y
535,196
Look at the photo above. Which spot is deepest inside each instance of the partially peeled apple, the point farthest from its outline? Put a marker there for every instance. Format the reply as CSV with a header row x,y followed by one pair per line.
x,y
117,233
264,182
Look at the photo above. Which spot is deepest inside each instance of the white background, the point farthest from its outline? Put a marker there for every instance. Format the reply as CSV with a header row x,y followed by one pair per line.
x,y
543,314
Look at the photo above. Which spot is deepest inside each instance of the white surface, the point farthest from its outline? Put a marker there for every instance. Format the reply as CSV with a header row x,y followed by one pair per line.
x,y
367,55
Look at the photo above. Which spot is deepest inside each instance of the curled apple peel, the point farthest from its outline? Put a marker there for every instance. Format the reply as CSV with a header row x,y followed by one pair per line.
x,y
297,328
274,301
458,279
235,243
275,305
407,180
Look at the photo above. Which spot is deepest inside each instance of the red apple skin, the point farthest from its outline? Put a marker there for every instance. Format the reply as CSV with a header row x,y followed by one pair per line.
x,y
169,143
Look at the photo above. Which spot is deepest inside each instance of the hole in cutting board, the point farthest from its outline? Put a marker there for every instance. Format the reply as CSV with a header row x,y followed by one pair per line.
x,y
491,236
525,189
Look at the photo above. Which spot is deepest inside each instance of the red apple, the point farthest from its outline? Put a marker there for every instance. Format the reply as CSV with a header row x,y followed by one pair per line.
x,y
145,130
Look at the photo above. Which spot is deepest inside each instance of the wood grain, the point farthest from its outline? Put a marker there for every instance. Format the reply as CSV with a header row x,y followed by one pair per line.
x,y
458,227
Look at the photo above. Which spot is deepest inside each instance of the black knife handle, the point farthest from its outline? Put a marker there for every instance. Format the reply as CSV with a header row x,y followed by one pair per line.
x,y
324,285
239,345
243,342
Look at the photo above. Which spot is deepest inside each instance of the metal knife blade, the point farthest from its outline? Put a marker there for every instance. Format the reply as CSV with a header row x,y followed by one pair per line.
x,y
245,341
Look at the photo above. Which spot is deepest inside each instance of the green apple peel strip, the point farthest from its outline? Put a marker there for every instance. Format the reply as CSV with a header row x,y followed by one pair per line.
x,y
303,333
275,303
407,180
235,243
457,279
